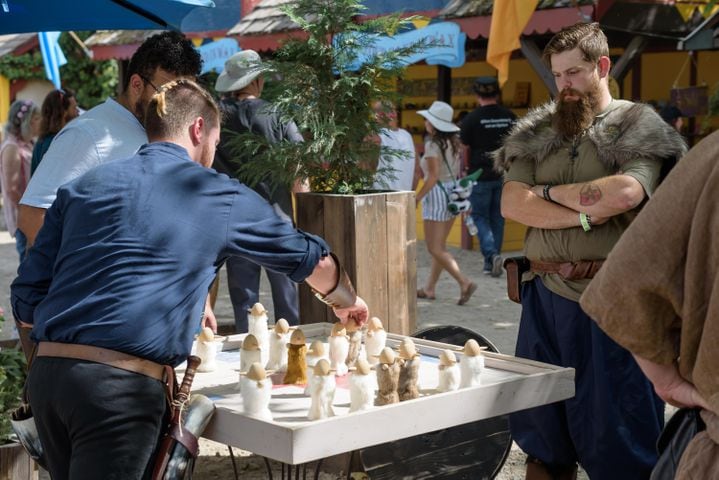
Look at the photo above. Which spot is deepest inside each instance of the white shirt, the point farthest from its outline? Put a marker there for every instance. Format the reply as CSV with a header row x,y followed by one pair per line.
x,y
403,165
106,132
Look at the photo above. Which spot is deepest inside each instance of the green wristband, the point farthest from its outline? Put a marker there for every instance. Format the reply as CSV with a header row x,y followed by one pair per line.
x,y
586,221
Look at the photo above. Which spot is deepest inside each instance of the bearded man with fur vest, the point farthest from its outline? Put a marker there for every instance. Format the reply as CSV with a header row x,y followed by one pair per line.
x,y
577,170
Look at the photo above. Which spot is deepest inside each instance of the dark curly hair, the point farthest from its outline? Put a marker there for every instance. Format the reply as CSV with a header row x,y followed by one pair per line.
x,y
170,51
54,108
447,140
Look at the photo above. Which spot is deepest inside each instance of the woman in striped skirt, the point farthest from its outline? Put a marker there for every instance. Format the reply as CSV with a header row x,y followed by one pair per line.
x,y
441,165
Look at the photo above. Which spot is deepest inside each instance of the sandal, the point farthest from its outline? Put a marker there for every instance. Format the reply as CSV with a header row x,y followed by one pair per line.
x,y
422,294
467,294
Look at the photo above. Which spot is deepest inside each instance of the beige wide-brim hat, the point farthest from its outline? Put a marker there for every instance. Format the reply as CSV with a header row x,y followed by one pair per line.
x,y
240,70
440,116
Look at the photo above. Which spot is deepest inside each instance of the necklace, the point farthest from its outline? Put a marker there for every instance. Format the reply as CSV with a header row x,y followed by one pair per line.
x,y
574,149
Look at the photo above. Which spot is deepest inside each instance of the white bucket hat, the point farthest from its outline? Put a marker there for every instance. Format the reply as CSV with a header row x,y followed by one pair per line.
x,y
240,70
440,116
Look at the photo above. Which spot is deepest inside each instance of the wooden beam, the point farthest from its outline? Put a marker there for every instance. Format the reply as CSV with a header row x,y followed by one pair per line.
x,y
444,84
631,53
534,56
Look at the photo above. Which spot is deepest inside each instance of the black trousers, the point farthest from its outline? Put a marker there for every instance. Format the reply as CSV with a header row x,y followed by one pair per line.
x,y
95,421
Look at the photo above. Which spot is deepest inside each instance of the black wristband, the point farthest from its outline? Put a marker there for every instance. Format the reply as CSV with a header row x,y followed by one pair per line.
x,y
545,193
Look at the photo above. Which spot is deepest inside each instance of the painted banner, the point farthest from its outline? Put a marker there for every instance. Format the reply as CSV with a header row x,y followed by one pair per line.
x,y
446,39
214,54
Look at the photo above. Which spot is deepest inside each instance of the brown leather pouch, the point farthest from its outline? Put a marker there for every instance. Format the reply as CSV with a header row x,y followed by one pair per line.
x,y
515,267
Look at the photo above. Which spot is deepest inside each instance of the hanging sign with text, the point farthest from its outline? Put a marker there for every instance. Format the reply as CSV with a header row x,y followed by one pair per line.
x,y
445,40
214,54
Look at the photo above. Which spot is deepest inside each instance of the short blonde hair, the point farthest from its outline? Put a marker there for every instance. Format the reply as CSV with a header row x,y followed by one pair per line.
x,y
176,105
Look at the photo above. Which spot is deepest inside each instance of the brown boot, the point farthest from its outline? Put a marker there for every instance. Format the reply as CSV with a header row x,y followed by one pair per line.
x,y
537,470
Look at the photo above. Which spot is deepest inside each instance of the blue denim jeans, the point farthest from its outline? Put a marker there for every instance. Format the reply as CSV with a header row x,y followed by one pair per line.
x,y
20,244
487,217
243,281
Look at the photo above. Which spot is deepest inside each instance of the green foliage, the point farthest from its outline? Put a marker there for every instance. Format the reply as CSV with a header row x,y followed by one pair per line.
x,y
330,102
93,81
27,66
12,379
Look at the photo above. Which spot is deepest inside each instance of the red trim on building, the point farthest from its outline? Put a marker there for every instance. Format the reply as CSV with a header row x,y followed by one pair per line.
x,y
118,52
16,86
270,42
550,20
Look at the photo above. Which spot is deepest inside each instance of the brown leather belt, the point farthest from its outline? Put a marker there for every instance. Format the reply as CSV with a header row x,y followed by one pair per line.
x,y
568,270
104,356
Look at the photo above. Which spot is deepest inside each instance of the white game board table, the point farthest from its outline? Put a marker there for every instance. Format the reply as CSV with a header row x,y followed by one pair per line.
x,y
508,384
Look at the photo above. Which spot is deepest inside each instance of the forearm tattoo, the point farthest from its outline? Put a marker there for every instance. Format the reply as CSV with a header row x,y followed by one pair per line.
x,y
589,194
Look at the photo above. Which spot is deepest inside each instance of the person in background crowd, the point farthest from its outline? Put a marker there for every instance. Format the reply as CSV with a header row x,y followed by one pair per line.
x,y
112,129
577,171
404,166
58,108
673,116
442,165
21,130
244,111
667,313
482,131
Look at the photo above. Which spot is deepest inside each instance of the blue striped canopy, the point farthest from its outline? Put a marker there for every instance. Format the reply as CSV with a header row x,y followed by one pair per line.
x,y
21,16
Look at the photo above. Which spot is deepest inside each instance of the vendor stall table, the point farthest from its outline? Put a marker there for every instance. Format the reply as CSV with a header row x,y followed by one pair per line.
x,y
508,384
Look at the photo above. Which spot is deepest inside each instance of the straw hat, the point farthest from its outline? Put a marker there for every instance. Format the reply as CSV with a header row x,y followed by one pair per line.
x,y
362,367
407,349
240,70
298,337
281,327
447,358
338,330
317,348
256,372
387,356
440,116
374,324
472,348
322,368
207,335
257,310
250,343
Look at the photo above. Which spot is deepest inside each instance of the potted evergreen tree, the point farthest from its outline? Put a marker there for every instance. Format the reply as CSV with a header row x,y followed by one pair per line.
x,y
327,85
15,464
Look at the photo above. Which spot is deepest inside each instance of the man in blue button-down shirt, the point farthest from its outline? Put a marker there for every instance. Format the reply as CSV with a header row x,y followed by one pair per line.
x,y
120,271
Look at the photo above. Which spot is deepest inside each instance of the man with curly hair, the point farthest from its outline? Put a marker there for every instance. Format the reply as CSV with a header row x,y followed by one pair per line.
x,y
111,130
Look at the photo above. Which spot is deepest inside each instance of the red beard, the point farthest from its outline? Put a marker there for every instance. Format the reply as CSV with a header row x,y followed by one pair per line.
x,y
572,117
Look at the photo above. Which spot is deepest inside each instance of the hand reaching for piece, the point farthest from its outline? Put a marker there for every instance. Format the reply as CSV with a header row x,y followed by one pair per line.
x,y
358,313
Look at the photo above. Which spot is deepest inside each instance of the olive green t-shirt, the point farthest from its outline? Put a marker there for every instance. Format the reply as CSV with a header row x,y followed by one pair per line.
x,y
574,244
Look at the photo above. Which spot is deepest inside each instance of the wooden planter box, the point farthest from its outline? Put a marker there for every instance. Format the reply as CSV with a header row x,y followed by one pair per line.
x,y
374,237
15,463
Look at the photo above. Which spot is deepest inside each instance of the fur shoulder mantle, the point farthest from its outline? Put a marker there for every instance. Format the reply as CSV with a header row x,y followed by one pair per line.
x,y
629,131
